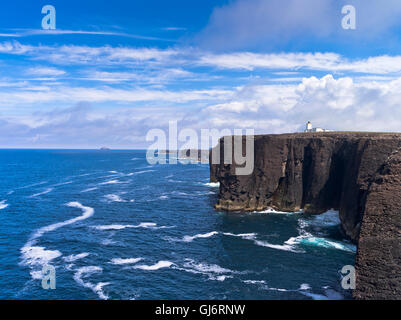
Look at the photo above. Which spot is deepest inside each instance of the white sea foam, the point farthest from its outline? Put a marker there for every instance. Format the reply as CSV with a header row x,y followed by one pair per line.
x,y
272,211
287,246
75,257
187,238
325,243
34,255
119,261
112,182
212,271
114,198
87,271
157,266
254,281
48,190
107,242
113,227
304,286
328,219
163,197
33,185
143,171
62,183
146,225
38,256
213,184
89,189
3,204
206,268
205,235
246,236
263,285
87,213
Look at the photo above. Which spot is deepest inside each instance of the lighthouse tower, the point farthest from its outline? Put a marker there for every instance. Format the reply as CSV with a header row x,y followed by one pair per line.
x,y
309,127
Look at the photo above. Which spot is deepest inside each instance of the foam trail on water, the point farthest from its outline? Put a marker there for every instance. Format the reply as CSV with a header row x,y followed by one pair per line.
x,y
143,171
114,198
157,266
206,235
125,261
146,225
263,285
287,246
33,185
89,189
36,256
75,257
62,184
87,213
48,190
85,272
246,236
3,204
212,271
113,182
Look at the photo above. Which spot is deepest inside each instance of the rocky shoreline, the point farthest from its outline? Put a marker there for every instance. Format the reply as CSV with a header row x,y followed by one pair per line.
x,y
358,174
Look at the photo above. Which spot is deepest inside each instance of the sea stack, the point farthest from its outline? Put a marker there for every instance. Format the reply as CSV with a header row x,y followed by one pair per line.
x,y
358,174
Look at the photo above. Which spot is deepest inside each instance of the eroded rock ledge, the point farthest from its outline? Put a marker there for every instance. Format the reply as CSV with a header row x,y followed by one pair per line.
x,y
358,174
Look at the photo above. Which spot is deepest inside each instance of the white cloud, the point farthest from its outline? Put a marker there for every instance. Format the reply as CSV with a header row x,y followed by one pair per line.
x,y
253,23
40,32
339,104
41,94
45,71
333,103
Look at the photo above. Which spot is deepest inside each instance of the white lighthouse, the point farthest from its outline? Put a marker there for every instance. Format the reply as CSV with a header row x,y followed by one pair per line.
x,y
310,128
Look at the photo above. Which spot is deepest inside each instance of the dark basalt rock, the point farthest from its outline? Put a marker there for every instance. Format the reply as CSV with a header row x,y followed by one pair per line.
x,y
320,171
378,261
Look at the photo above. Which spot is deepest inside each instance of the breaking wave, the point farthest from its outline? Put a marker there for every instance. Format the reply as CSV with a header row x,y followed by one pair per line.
x,y
213,184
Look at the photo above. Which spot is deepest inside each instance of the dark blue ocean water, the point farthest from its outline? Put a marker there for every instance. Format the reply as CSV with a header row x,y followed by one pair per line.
x,y
115,227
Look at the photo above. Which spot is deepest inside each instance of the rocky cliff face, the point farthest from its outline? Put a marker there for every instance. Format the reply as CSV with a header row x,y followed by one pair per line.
x,y
349,172
378,261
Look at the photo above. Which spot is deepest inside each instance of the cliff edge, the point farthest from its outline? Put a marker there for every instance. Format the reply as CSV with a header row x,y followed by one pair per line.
x,y
347,171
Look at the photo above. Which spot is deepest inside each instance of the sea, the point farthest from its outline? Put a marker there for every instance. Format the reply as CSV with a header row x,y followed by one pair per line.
x,y
112,226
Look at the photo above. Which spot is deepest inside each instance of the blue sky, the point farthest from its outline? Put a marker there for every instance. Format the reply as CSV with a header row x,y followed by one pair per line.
x,y
113,70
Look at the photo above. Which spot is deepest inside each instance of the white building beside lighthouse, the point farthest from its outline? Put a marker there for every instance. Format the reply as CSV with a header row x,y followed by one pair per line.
x,y
310,128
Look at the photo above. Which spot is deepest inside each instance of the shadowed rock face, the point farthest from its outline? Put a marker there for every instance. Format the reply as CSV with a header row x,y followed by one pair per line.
x,y
378,261
355,173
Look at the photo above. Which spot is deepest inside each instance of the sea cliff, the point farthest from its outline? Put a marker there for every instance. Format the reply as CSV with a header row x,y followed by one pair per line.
x,y
357,174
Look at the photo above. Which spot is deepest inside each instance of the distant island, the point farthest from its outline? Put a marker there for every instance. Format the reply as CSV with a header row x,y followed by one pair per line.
x,y
104,149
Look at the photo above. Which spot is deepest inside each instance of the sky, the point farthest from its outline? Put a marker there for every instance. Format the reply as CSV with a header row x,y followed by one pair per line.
x,y
113,70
